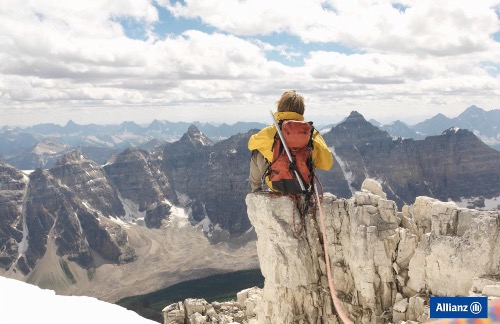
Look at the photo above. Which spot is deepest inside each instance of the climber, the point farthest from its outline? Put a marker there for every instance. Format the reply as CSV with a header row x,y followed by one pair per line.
x,y
290,108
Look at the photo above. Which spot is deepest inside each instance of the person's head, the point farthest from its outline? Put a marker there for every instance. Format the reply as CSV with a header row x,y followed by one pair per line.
x,y
291,101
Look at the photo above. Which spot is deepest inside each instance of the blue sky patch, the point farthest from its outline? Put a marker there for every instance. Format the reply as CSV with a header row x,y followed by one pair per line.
x,y
133,28
401,7
295,50
492,68
168,24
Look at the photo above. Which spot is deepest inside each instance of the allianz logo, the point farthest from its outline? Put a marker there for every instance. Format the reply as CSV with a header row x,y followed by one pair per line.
x,y
474,308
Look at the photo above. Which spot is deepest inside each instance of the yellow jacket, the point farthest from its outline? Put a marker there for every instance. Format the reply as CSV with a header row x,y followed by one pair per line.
x,y
263,142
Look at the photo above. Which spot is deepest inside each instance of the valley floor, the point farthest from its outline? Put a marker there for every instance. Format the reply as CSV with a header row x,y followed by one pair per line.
x,y
174,253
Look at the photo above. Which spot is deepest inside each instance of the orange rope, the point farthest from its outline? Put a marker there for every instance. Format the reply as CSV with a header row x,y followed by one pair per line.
x,y
336,301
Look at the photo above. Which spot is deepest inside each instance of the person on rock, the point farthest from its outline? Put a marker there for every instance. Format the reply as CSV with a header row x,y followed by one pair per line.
x,y
289,107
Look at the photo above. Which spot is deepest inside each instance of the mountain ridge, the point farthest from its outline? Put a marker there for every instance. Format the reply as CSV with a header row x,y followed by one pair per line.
x,y
196,191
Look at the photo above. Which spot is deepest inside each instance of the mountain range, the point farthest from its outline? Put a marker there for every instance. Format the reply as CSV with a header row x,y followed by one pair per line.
x,y
83,227
484,124
40,146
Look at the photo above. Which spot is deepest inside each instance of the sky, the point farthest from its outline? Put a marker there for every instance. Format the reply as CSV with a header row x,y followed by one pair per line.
x,y
109,61
22,303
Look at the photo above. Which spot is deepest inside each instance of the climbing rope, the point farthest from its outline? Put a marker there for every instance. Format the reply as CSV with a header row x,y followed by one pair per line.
x,y
336,301
316,200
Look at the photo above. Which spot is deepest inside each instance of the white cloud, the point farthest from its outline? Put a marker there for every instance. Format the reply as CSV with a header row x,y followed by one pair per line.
x,y
67,56
426,27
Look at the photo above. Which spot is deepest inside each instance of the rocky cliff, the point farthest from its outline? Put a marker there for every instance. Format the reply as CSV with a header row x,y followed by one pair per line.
x,y
87,180
79,228
453,165
13,185
213,176
385,263
145,188
52,213
65,209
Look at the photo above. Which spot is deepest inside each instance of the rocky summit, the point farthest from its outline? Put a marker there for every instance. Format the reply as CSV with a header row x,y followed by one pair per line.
x,y
385,263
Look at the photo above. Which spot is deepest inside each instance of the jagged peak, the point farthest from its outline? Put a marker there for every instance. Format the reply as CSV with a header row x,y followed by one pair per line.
x,y
130,154
354,118
398,123
357,121
359,130
133,151
472,112
194,136
156,122
130,126
71,123
439,116
193,130
39,174
474,108
355,114
456,130
129,123
375,122
72,157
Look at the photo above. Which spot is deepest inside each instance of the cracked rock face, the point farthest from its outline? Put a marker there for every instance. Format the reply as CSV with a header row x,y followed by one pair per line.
x,y
13,184
88,181
385,263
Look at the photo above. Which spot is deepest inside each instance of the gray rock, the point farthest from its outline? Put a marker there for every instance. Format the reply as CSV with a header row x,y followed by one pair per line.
x,y
374,187
381,265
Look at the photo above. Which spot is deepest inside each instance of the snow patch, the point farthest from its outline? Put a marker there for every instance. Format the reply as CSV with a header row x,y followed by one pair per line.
x,y
489,204
179,217
44,306
343,166
429,188
132,213
206,225
23,245
80,229
184,199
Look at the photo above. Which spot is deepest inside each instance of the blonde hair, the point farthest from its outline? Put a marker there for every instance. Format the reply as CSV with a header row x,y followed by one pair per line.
x,y
291,101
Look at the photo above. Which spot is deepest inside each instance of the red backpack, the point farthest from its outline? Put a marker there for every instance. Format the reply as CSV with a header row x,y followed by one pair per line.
x,y
298,136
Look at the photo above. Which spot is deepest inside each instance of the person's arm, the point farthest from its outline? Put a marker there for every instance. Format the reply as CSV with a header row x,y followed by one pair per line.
x,y
263,141
322,156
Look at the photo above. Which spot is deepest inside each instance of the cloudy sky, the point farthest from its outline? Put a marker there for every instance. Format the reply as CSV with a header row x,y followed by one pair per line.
x,y
107,61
